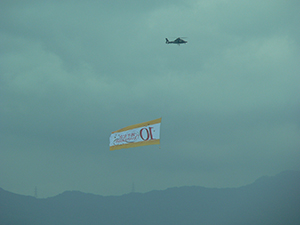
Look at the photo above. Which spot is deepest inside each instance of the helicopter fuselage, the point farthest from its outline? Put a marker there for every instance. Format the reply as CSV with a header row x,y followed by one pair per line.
x,y
177,41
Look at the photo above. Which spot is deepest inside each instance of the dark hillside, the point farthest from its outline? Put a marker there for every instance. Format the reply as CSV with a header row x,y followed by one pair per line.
x,y
269,200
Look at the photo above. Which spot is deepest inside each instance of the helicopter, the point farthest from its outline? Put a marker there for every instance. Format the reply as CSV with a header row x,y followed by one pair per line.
x,y
176,41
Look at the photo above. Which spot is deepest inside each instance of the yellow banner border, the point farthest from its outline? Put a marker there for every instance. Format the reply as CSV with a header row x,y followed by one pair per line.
x,y
138,125
136,144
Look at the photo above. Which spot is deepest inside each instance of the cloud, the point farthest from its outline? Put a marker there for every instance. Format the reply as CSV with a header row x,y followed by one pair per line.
x,y
73,72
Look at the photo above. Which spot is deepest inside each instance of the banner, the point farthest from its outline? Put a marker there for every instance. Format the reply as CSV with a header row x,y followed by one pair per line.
x,y
147,133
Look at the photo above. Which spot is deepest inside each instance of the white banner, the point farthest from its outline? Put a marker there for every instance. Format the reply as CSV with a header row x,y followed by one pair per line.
x,y
147,133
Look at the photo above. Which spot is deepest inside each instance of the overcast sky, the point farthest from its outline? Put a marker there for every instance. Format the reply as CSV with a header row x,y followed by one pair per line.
x,y
71,72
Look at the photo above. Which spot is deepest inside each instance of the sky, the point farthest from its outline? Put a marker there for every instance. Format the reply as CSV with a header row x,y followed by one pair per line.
x,y
72,72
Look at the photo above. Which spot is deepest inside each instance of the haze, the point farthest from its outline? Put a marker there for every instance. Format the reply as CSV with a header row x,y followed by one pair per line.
x,y
71,72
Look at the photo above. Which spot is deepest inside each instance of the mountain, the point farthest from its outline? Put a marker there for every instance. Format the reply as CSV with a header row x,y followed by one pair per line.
x,y
269,200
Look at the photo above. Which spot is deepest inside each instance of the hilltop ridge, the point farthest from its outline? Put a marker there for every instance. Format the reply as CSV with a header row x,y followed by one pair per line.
x,y
269,200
